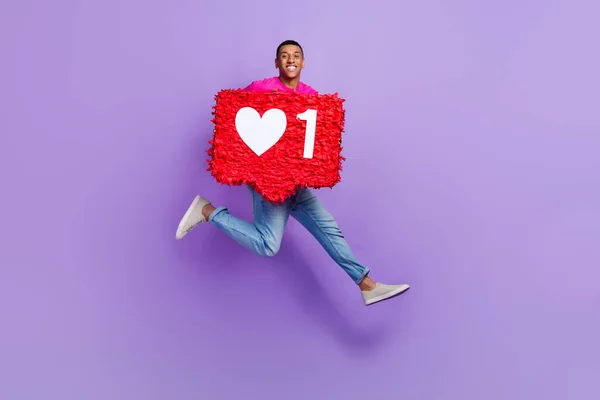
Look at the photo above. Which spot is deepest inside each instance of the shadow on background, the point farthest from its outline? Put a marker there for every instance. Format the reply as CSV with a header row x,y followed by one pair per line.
x,y
349,328
356,334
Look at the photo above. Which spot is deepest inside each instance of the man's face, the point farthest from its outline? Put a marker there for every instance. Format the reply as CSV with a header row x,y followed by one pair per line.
x,y
289,61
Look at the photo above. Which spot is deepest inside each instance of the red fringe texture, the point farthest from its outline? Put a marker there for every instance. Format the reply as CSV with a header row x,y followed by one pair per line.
x,y
281,170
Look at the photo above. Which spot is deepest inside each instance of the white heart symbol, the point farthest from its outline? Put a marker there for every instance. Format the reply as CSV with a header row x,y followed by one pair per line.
x,y
260,134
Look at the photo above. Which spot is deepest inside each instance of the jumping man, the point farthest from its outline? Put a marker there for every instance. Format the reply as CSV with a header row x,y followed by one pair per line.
x,y
263,237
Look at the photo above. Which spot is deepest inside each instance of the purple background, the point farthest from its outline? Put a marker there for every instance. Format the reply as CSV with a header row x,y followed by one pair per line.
x,y
473,172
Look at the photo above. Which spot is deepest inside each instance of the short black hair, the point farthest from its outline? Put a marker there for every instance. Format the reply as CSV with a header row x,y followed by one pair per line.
x,y
286,43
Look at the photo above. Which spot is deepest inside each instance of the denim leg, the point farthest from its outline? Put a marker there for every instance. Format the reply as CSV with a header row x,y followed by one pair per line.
x,y
309,211
263,237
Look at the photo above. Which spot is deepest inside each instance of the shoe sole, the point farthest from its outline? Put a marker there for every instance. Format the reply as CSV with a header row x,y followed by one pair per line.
x,y
387,296
181,233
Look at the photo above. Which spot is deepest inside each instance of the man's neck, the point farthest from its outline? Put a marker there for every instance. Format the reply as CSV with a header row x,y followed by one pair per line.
x,y
291,83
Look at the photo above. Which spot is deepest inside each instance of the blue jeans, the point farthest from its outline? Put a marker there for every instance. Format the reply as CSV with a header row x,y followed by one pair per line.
x,y
264,236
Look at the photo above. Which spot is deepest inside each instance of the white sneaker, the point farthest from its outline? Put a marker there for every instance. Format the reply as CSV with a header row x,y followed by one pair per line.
x,y
383,292
192,218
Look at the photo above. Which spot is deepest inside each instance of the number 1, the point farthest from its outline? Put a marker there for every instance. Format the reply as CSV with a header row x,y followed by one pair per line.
x,y
310,116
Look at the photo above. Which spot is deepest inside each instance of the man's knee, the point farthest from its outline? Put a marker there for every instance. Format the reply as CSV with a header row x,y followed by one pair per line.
x,y
269,249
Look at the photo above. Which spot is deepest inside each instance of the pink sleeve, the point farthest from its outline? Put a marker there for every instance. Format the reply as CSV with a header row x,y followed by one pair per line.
x,y
255,86
309,90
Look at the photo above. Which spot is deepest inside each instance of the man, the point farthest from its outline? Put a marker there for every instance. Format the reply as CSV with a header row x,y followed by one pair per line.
x,y
263,237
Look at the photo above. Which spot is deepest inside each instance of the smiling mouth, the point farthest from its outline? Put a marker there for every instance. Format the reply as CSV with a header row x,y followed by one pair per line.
x,y
291,67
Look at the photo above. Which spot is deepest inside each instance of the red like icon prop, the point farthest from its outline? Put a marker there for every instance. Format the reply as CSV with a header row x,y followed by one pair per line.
x,y
277,142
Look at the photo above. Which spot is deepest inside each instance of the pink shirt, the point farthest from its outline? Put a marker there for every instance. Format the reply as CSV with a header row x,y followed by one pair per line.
x,y
275,85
